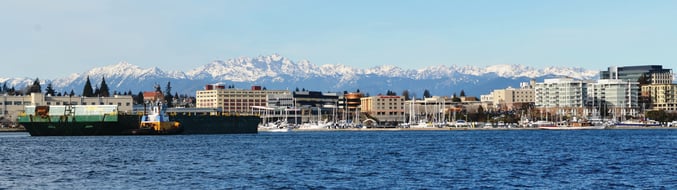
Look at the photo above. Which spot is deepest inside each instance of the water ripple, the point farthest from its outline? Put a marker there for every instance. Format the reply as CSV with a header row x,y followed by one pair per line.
x,y
605,159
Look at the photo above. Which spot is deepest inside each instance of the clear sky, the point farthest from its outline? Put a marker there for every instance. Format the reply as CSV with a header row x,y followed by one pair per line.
x,y
50,39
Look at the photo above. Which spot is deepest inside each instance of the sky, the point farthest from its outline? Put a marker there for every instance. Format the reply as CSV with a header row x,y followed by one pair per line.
x,y
52,39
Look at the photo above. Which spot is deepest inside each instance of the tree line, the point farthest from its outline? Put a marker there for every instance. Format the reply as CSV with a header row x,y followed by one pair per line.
x,y
101,90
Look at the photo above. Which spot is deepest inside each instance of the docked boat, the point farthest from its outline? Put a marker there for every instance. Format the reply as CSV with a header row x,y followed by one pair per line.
x,y
636,124
573,126
212,121
156,121
543,124
278,126
82,120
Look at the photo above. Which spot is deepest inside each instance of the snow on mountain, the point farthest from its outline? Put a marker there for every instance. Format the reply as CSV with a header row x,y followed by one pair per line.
x,y
281,72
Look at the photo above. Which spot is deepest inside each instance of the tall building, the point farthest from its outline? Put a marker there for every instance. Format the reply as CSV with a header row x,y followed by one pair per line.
x,y
619,96
654,74
661,96
232,99
561,92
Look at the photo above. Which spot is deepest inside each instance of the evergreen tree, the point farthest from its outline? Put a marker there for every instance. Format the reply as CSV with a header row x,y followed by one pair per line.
x,y
35,87
88,91
103,90
97,92
138,99
72,93
168,95
462,93
405,93
454,98
50,91
426,94
481,116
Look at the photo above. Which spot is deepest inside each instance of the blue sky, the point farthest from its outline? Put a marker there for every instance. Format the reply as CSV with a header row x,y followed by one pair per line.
x,y
51,39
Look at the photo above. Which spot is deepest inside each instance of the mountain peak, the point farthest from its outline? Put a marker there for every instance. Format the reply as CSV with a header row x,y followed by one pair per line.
x,y
278,71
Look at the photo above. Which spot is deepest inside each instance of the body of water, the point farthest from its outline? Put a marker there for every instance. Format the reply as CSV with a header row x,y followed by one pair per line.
x,y
595,159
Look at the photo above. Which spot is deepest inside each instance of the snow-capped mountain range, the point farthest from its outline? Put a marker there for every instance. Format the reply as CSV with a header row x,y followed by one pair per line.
x,y
277,72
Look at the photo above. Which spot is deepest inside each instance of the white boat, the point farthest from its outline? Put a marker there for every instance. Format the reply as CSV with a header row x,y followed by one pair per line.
x,y
421,124
543,124
461,123
286,129
573,126
278,126
636,123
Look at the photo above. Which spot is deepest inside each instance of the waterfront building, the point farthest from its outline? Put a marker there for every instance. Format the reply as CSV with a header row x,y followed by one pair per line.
x,y
11,106
437,109
617,95
310,102
384,109
285,100
562,96
316,99
653,74
233,99
661,96
513,98
349,104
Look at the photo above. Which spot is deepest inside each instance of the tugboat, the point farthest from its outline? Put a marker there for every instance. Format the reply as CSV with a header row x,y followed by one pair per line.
x,y
155,119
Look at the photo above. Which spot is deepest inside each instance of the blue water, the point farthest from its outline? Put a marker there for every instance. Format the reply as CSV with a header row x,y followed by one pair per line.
x,y
596,159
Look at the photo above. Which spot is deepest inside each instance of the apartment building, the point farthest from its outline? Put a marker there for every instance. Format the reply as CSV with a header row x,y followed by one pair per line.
x,y
564,96
614,92
661,96
512,98
384,108
233,99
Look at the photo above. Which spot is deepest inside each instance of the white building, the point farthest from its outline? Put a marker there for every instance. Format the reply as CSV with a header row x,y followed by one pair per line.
x,y
232,99
560,92
619,96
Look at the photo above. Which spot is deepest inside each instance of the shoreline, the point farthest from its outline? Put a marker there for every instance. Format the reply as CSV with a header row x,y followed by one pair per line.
x,y
16,129
416,129
460,129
